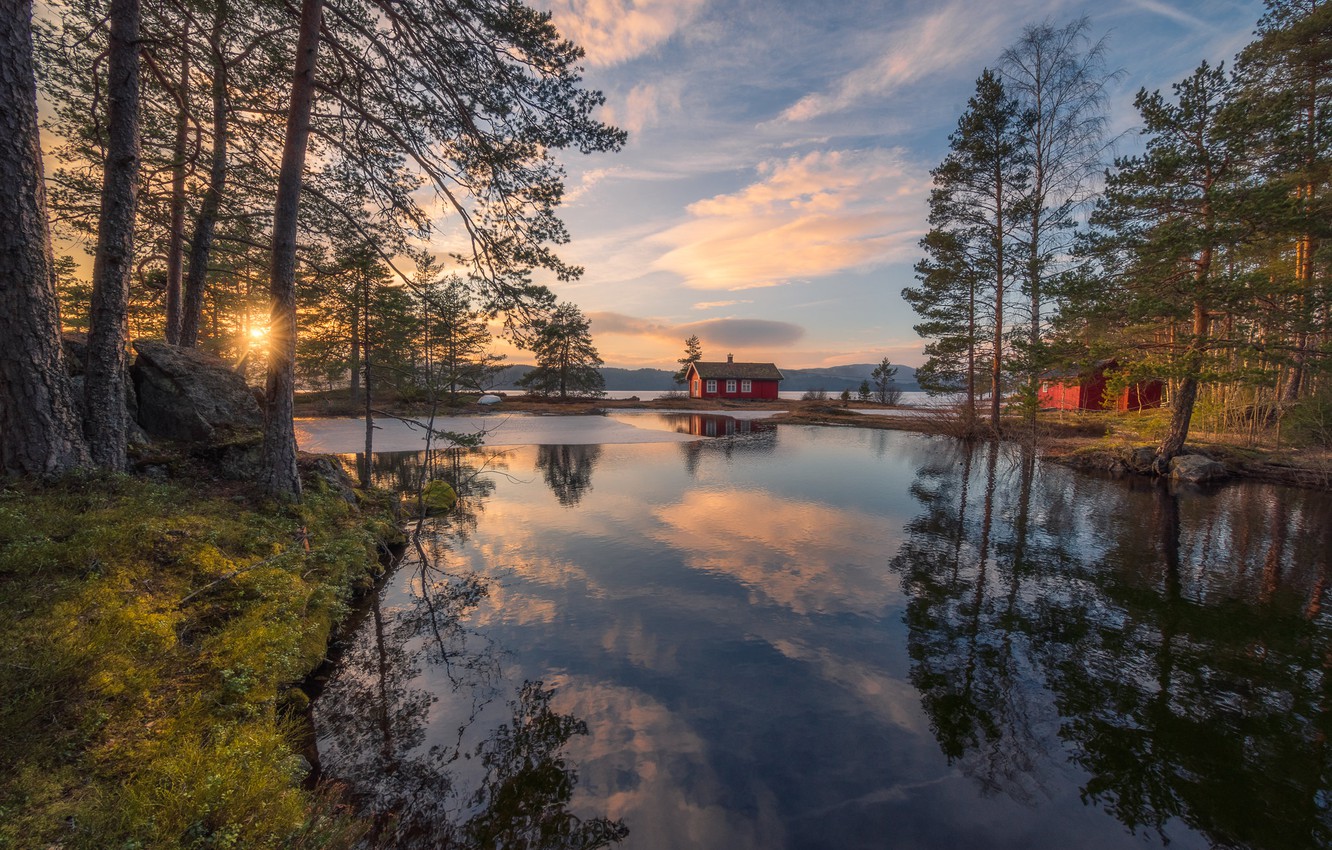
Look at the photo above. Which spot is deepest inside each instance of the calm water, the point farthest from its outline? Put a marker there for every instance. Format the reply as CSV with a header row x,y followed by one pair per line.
x,y
836,638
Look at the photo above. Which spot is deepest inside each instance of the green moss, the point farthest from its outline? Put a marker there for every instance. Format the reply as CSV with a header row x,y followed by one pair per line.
x,y
437,497
153,632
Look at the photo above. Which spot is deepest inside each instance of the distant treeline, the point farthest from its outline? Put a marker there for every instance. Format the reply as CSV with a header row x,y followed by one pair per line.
x,y
833,379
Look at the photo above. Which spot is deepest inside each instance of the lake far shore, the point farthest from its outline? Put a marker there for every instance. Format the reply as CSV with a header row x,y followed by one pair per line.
x,y
1093,441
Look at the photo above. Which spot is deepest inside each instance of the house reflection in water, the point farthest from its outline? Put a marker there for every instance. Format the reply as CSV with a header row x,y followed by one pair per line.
x,y
713,425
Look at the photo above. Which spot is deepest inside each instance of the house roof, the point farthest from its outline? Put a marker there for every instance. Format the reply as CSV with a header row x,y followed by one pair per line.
x,y
1080,371
747,371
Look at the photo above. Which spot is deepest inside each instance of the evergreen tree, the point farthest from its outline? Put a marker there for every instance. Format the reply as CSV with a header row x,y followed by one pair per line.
x,y
1284,103
973,207
39,430
693,353
946,303
885,383
567,362
1165,218
106,413
457,339
476,98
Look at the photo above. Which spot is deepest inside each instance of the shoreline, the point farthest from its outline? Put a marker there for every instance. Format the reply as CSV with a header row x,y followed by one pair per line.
x,y
1093,442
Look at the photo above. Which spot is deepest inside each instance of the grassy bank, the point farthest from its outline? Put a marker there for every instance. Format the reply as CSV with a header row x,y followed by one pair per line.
x,y
153,636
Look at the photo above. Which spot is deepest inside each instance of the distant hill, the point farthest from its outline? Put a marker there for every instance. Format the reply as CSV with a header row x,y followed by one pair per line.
x,y
834,379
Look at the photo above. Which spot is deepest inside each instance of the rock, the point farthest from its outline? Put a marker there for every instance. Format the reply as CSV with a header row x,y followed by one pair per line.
x,y
324,471
489,399
185,394
1140,459
76,351
437,497
1196,469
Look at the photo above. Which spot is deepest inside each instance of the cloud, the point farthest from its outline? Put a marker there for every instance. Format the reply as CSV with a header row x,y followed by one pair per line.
x,y
744,333
1167,11
712,305
952,36
737,333
615,31
806,217
644,106
789,552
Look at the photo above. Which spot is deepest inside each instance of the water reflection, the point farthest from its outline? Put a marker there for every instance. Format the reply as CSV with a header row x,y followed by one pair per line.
x,y
568,470
846,638
495,777
699,424
1182,666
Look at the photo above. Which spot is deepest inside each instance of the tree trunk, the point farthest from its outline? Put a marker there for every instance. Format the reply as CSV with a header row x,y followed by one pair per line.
x,y
1182,406
40,435
201,245
1034,358
355,353
280,476
176,243
107,415
369,386
997,361
971,359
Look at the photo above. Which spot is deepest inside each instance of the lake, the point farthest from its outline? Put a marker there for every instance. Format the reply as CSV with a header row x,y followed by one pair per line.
x,y
801,637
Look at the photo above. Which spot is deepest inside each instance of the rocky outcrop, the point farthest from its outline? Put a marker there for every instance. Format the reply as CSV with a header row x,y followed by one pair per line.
x,y
185,394
1197,469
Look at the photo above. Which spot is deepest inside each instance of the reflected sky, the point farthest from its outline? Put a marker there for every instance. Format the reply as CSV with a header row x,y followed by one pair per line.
x,y
803,637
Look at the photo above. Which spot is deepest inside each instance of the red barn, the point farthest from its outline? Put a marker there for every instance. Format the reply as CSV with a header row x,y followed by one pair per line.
x,y
1086,391
733,380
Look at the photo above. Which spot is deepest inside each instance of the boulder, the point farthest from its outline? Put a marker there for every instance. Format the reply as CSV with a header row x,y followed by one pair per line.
x,y
1140,459
324,472
1196,469
76,351
185,394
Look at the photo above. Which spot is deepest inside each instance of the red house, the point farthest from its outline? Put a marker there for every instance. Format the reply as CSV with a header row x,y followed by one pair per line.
x,y
733,380
1086,391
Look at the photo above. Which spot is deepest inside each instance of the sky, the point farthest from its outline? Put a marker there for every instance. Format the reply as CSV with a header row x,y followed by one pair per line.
x,y
773,189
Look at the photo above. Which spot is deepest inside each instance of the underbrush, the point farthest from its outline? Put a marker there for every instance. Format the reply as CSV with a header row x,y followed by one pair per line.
x,y
154,636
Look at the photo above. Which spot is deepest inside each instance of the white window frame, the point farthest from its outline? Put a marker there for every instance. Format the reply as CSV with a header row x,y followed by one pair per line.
x,y
711,385
746,386
730,385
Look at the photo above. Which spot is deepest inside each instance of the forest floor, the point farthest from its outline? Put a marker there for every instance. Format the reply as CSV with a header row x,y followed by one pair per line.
x,y
157,636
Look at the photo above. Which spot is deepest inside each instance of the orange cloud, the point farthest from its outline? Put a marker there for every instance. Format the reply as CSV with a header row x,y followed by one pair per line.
x,y
807,217
798,554
615,31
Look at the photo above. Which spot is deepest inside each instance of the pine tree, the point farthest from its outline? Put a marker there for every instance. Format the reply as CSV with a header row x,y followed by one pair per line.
x,y
968,267
1284,102
885,383
1165,218
39,430
457,339
567,361
693,353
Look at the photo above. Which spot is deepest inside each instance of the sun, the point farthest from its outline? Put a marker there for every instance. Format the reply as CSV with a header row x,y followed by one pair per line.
x,y
258,333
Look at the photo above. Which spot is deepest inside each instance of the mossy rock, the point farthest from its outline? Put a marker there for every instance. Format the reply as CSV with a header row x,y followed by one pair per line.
x,y
437,497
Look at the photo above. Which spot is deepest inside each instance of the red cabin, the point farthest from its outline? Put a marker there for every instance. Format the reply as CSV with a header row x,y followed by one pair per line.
x,y
733,380
1086,391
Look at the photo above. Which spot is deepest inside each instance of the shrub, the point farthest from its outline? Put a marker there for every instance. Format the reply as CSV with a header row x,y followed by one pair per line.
x,y
1309,422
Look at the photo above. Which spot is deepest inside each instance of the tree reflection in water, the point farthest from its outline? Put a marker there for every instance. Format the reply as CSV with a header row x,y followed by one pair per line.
x,y
480,787
1184,667
568,470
